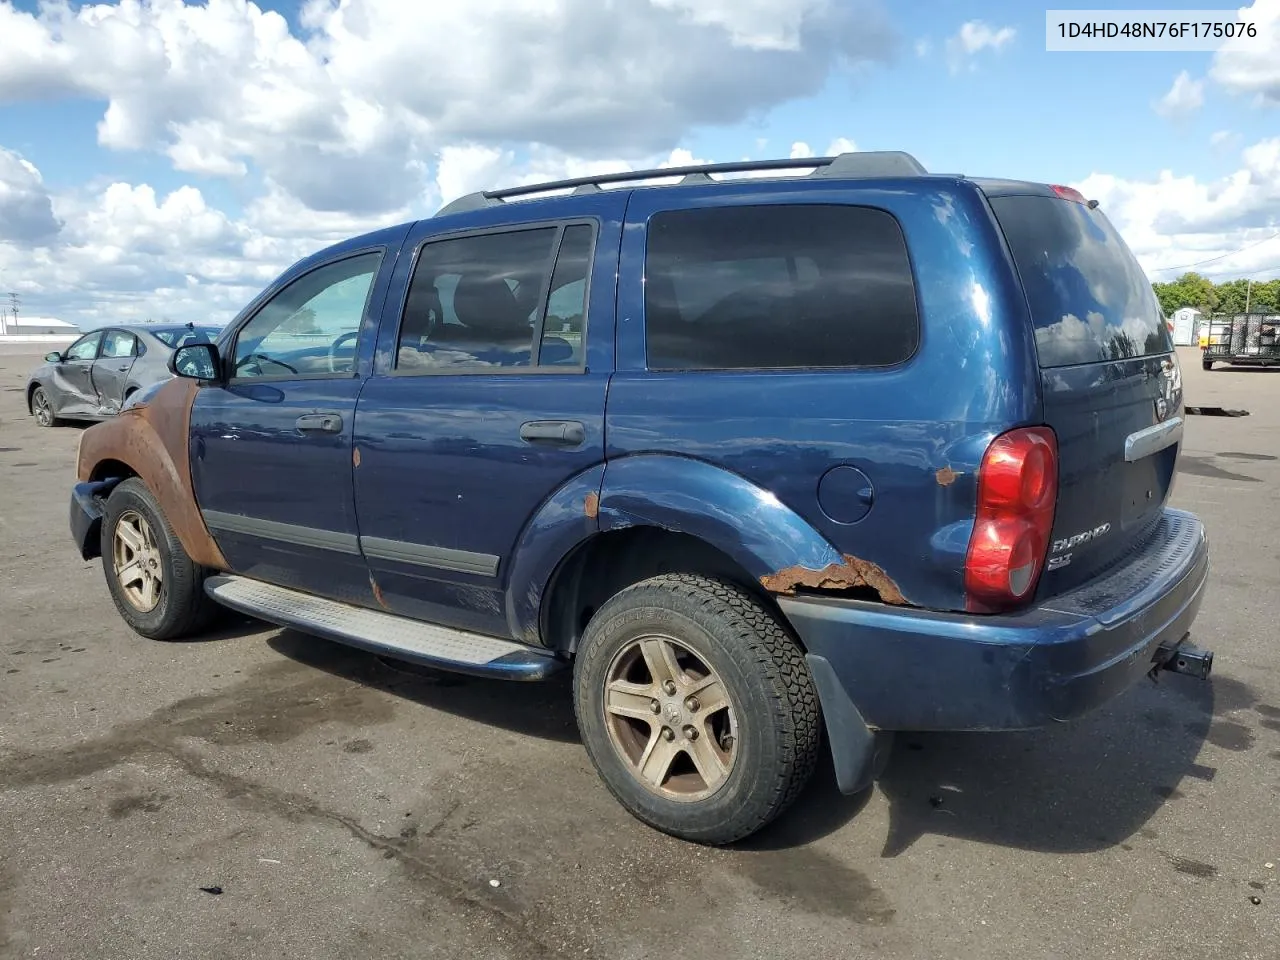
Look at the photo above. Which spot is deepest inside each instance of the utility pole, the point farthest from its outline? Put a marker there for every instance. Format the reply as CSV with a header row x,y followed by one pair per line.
x,y
14,302
1248,291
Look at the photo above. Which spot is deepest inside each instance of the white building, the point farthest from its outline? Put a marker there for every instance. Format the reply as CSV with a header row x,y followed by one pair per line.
x,y
1186,324
36,330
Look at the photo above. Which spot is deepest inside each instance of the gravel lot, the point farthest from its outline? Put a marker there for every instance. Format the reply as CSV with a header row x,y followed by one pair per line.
x,y
347,808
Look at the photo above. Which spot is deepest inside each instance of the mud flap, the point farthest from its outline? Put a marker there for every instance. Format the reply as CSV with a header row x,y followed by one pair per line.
x,y
853,744
86,515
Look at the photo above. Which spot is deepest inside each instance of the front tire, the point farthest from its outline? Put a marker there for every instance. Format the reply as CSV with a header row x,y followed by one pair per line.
x,y
157,588
42,408
696,707
1206,364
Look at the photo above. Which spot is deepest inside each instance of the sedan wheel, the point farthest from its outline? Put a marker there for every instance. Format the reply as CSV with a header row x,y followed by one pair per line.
x,y
42,408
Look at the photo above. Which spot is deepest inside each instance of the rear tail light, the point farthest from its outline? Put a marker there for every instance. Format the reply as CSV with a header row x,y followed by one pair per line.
x,y
1017,494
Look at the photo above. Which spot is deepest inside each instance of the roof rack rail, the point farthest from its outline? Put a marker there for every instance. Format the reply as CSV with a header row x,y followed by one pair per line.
x,y
858,165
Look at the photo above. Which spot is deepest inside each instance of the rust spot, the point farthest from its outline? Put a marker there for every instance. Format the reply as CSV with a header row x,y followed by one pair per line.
x,y
377,593
592,506
850,574
946,476
355,456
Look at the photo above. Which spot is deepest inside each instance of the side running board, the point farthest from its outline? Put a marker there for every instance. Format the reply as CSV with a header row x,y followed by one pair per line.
x,y
434,646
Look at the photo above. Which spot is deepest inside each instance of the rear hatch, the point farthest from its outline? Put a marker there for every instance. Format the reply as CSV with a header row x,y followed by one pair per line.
x,y
1111,384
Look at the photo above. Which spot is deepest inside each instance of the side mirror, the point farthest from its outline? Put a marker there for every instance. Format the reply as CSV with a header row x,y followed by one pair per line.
x,y
196,361
54,357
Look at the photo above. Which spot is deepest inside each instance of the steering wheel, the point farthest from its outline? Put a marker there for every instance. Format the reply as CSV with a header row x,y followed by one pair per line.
x,y
333,349
262,356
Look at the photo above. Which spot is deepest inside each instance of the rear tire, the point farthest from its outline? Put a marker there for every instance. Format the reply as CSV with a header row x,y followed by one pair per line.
x,y
157,588
710,771
1206,364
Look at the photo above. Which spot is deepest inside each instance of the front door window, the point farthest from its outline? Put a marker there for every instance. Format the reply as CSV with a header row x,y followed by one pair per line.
x,y
309,328
85,349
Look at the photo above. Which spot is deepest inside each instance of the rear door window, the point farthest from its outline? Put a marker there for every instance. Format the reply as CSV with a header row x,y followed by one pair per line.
x,y
1089,298
513,299
778,286
118,343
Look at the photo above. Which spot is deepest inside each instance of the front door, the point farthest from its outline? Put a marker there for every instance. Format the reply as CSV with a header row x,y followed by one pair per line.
x,y
488,398
73,394
111,369
271,448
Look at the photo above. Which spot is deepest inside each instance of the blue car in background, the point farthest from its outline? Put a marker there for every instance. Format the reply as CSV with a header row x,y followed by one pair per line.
x,y
857,451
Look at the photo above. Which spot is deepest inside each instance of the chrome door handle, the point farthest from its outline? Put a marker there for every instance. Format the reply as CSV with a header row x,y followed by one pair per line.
x,y
320,423
567,433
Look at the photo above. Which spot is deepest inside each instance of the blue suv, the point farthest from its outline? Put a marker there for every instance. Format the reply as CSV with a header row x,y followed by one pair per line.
x,y
855,450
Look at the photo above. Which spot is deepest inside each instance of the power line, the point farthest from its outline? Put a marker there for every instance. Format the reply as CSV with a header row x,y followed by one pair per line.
x,y
1200,263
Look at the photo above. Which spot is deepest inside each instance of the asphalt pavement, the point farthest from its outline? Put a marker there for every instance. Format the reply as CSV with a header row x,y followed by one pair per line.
x,y
260,793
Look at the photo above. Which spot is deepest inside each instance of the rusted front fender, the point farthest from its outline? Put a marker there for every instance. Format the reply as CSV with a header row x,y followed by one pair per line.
x,y
150,440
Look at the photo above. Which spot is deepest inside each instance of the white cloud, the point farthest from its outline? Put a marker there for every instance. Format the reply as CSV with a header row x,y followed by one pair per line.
x,y
1220,138
1184,98
1252,66
361,114
923,47
1176,220
802,151
974,37
126,253
350,113
756,24
26,209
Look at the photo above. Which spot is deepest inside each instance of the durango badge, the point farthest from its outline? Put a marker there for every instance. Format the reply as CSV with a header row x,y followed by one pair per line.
x,y
1074,541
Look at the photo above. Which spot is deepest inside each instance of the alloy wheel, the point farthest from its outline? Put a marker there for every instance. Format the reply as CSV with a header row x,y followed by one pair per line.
x,y
137,562
43,409
670,718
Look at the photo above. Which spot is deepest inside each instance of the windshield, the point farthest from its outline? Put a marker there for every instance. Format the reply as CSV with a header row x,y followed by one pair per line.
x,y
1089,299
186,335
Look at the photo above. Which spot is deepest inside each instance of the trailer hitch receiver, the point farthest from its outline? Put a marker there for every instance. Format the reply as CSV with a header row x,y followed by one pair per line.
x,y
1182,657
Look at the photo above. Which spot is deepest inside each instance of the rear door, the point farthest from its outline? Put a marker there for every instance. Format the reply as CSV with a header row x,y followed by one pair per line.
x,y
73,393
111,369
1111,383
488,395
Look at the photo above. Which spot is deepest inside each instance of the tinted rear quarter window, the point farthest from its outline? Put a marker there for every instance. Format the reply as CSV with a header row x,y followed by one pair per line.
x,y
1089,298
778,287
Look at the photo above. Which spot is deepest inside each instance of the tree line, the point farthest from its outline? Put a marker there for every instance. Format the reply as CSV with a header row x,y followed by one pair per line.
x,y
1230,296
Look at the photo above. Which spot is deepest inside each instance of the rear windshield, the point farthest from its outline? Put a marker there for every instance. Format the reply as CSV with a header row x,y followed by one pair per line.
x,y
180,338
1089,299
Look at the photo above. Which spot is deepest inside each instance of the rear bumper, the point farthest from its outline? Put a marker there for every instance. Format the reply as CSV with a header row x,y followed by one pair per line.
x,y
905,669
86,511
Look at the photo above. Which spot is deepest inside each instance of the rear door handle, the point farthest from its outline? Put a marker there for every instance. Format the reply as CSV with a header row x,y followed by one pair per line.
x,y
568,433
320,423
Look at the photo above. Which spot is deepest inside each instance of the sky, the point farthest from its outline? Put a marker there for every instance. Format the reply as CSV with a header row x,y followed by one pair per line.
x,y
162,159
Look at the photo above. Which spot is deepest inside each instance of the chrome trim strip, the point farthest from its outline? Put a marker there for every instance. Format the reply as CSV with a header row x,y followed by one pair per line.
x,y
1145,442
